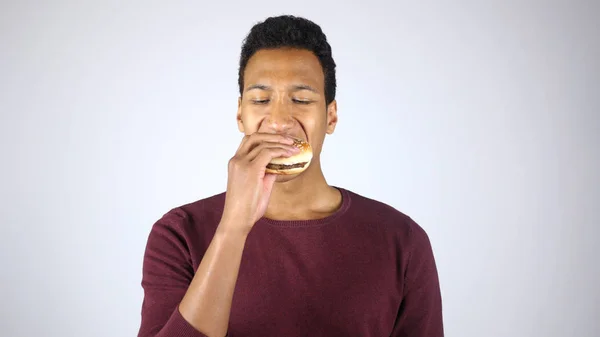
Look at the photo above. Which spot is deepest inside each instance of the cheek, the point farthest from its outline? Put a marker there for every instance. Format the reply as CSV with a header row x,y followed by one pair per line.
x,y
313,116
307,118
314,123
251,118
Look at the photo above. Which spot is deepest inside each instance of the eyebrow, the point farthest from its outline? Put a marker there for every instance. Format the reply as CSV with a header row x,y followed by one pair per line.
x,y
304,87
258,86
296,87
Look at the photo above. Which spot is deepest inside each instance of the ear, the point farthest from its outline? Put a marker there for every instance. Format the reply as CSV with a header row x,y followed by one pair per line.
x,y
239,116
332,117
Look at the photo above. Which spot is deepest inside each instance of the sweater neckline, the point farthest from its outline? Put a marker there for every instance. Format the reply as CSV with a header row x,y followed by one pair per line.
x,y
346,201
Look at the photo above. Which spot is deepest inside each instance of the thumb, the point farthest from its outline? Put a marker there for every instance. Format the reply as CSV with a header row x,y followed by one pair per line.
x,y
269,181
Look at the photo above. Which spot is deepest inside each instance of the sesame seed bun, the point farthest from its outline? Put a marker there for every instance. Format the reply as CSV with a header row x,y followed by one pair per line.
x,y
294,164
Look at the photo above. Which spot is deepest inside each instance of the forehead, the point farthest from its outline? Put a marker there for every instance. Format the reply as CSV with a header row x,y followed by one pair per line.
x,y
270,66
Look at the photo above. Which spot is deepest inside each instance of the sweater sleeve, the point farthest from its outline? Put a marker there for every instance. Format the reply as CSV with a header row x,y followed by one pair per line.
x,y
420,313
167,273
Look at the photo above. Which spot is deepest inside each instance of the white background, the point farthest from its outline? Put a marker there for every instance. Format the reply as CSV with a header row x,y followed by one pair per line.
x,y
485,114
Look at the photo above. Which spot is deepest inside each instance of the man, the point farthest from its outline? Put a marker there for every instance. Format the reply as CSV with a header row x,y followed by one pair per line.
x,y
287,255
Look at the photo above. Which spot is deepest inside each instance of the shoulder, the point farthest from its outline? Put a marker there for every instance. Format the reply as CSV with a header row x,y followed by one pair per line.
x,y
191,220
381,214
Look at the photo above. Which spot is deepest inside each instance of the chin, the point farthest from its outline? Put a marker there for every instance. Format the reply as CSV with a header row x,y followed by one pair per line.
x,y
282,178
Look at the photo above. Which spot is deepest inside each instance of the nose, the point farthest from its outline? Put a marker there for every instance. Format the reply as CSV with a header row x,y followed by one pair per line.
x,y
279,119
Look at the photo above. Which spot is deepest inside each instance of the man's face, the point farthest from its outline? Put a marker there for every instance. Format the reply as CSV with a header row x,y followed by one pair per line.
x,y
284,93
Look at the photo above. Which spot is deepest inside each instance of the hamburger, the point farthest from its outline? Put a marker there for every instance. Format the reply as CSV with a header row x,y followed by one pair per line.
x,y
294,164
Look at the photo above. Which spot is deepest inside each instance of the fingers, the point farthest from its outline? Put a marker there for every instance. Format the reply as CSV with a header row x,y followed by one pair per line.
x,y
251,141
265,155
257,154
270,179
276,149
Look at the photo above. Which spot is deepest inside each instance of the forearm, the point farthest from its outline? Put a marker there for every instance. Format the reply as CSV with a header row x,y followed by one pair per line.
x,y
207,302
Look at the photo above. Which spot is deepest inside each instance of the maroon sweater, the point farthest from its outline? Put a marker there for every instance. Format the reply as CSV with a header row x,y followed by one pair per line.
x,y
367,270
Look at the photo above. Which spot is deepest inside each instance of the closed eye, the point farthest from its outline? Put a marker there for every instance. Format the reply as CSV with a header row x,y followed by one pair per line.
x,y
260,101
301,101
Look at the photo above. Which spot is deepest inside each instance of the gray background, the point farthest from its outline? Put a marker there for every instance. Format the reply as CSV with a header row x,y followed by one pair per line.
x,y
485,113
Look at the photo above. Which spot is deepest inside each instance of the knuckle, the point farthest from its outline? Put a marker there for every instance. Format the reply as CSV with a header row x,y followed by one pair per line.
x,y
235,161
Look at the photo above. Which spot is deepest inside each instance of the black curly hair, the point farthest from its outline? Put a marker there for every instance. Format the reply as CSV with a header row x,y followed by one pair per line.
x,y
294,32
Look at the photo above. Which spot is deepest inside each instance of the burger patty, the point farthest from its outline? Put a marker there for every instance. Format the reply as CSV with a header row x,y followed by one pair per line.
x,y
285,167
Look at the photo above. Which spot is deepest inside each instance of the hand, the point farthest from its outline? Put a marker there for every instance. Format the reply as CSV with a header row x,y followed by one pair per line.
x,y
248,185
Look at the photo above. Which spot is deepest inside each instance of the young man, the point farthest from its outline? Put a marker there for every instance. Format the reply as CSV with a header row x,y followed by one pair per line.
x,y
287,255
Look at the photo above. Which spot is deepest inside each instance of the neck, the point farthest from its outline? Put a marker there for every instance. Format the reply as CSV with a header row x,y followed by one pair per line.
x,y
305,197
